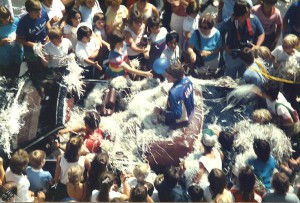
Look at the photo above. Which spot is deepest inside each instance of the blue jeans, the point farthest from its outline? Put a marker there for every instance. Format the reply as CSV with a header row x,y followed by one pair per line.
x,y
233,66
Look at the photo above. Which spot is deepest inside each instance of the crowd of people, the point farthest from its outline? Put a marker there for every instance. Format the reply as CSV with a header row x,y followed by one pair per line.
x,y
108,38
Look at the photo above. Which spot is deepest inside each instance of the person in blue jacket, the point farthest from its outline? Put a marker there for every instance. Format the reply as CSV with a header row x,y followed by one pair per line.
x,y
180,107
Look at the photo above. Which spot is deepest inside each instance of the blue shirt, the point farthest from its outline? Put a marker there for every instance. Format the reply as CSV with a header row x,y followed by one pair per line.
x,y
293,15
253,75
207,43
228,28
264,170
33,30
39,179
11,53
181,93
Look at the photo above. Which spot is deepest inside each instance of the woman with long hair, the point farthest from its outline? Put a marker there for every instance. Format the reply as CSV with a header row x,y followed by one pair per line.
x,y
98,167
217,187
106,193
64,162
245,190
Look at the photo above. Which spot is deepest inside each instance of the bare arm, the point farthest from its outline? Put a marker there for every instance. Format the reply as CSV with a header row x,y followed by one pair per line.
x,y
21,40
126,189
135,71
260,39
191,53
2,172
285,25
75,129
87,164
278,33
220,8
57,170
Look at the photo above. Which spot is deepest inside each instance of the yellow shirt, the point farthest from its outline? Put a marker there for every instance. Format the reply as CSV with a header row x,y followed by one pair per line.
x,y
112,16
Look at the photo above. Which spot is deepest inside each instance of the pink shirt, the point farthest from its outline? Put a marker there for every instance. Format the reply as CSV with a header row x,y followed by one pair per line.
x,y
269,23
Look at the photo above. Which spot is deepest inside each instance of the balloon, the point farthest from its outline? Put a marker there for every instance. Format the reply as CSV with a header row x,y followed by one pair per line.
x,y
160,65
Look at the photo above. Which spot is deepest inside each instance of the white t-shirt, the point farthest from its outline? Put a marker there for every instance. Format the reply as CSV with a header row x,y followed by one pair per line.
x,y
101,33
190,24
281,56
160,36
23,185
71,33
87,14
171,55
209,163
65,166
55,11
281,110
57,54
112,195
84,51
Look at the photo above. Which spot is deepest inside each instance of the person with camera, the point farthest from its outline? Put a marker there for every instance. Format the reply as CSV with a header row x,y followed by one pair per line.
x,y
241,30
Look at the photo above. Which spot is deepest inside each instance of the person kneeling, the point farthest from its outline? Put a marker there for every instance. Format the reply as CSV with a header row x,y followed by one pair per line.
x,y
180,107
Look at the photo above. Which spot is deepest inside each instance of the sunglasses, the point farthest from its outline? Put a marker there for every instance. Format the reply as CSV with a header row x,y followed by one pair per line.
x,y
204,27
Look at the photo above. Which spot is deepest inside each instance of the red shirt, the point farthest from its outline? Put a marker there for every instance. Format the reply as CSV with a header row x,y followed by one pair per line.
x,y
93,141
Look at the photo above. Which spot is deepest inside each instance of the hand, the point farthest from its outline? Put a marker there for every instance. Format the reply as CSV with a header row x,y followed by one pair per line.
x,y
149,74
146,55
205,53
158,110
41,195
108,47
146,50
7,40
55,19
193,57
123,177
97,66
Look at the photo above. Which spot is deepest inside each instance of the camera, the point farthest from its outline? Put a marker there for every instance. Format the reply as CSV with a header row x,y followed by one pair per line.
x,y
235,53
245,44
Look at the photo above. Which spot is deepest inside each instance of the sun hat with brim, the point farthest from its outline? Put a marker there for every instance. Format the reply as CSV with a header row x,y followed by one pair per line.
x,y
209,138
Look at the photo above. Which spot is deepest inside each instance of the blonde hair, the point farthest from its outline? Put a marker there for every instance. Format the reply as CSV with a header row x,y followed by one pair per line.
x,y
262,116
263,53
290,40
36,158
75,174
141,170
54,33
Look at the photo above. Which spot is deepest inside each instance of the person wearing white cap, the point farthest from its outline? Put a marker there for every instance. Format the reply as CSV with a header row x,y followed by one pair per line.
x,y
211,157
